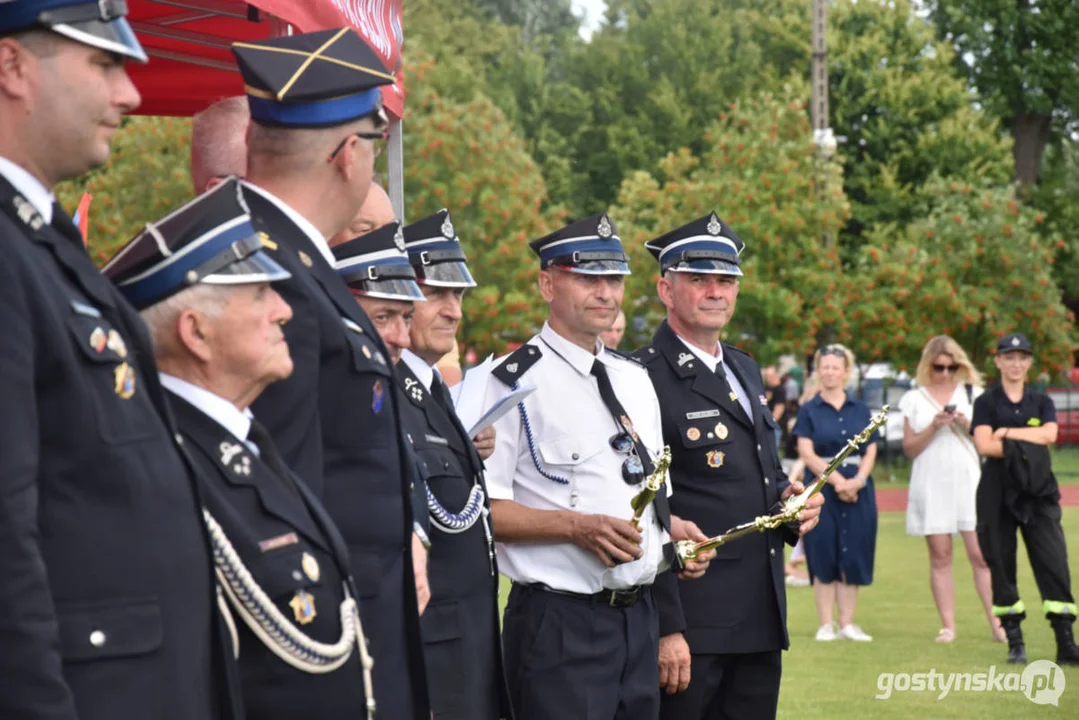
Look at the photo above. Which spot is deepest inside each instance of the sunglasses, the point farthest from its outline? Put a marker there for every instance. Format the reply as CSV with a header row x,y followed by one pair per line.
x,y
378,142
632,468
836,350
945,368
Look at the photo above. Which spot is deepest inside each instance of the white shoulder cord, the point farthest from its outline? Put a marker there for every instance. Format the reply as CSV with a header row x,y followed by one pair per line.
x,y
275,630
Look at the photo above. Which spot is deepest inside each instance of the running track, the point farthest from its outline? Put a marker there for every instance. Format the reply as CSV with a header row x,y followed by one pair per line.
x,y
895,499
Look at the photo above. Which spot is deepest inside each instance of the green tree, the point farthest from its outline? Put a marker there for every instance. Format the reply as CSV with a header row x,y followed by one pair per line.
x,y
1056,197
1022,56
147,176
466,156
758,173
974,267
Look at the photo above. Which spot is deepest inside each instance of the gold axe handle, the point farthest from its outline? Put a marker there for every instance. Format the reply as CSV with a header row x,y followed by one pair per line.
x,y
652,485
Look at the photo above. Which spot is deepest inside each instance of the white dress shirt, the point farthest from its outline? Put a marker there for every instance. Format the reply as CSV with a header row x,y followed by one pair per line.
x,y
711,361
303,223
571,430
227,415
29,187
419,367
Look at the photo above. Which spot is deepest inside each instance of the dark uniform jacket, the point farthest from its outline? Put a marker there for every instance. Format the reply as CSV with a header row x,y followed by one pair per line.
x,y
107,598
290,545
462,642
336,423
719,482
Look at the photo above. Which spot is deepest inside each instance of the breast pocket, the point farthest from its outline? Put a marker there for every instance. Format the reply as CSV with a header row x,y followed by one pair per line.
x,y
283,573
123,628
110,380
364,352
707,444
566,454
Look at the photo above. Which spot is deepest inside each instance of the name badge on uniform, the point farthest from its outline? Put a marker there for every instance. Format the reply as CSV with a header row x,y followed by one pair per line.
x,y
278,542
436,440
702,414
84,309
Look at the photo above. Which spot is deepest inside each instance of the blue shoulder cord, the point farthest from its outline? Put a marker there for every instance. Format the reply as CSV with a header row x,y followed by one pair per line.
x,y
532,443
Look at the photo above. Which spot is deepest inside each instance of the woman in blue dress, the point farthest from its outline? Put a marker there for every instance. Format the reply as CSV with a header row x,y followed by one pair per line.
x,y
840,550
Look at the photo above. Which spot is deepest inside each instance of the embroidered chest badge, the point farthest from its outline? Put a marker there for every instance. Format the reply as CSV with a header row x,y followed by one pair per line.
x,y
124,379
715,458
303,607
376,397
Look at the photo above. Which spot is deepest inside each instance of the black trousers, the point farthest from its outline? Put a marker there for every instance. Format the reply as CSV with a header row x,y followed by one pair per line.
x,y
1044,539
575,659
728,687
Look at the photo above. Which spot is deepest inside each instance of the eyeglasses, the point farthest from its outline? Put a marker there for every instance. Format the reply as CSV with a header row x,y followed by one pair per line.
x,y
378,142
632,468
945,368
836,350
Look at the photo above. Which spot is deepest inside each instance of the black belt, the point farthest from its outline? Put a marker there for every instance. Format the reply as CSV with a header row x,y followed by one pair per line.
x,y
621,598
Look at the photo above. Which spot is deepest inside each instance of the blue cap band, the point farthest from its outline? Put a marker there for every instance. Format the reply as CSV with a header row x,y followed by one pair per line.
x,y
147,291
318,113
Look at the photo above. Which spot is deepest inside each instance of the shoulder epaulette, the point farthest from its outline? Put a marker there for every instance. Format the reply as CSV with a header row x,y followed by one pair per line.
x,y
517,364
646,354
628,357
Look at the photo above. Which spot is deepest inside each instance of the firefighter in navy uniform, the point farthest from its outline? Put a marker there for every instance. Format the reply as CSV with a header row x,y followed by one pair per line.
x,y
107,601
316,126
281,563
462,640
722,636
1013,427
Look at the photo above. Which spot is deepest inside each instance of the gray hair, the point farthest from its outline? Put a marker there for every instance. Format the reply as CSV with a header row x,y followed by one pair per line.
x,y
218,142
210,300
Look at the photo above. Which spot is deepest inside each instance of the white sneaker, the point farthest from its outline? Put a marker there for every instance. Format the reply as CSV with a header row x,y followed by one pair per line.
x,y
826,633
853,632
795,581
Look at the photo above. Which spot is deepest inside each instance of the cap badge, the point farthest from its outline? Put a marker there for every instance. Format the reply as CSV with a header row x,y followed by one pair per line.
x,y
399,239
447,228
124,377
604,229
1015,342
714,226
715,458
303,607
310,567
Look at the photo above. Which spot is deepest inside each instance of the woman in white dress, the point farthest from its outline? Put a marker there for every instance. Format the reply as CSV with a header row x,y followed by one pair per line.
x,y
944,478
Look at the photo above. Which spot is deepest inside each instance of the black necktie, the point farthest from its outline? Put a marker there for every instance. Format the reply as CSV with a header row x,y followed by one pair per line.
x,y
721,373
441,393
268,454
65,226
610,400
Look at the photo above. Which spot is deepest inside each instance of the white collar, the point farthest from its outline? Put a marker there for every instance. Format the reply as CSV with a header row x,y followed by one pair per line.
x,y
29,187
419,367
710,361
303,223
578,358
227,415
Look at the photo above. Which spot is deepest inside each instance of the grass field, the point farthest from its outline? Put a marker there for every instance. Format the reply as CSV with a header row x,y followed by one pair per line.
x,y
895,472
839,679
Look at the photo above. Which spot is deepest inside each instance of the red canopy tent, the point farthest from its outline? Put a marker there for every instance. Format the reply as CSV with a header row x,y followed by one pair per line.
x,y
188,42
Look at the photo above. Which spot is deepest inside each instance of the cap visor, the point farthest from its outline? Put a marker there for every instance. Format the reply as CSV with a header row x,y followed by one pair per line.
x,y
597,267
256,268
115,36
708,267
398,289
447,274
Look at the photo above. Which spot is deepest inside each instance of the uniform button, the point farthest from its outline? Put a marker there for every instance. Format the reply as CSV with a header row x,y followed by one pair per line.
x,y
445,466
297,575
758,450
576,456
179,439
765,481
844,432
840,419
772,552
97,638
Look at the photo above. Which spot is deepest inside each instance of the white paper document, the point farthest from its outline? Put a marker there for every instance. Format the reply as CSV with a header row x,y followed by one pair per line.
x,y
499,409
470,394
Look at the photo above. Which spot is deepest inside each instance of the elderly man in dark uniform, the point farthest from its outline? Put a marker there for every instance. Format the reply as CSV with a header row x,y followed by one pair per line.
x,y
721,637
462,642
201,281
107,599
316,126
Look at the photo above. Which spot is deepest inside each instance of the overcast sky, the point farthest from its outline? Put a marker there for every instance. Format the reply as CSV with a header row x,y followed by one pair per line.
x,y
593,13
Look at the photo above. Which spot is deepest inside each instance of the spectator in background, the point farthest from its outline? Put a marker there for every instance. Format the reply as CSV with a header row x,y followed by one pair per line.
x,y
376,212
841,551
613,337
218,143
776,397
944,478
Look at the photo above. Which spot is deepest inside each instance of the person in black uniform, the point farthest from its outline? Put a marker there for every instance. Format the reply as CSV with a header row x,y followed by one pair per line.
x,y
316,118
107,603
721,637
1013,427
462,642
216,325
